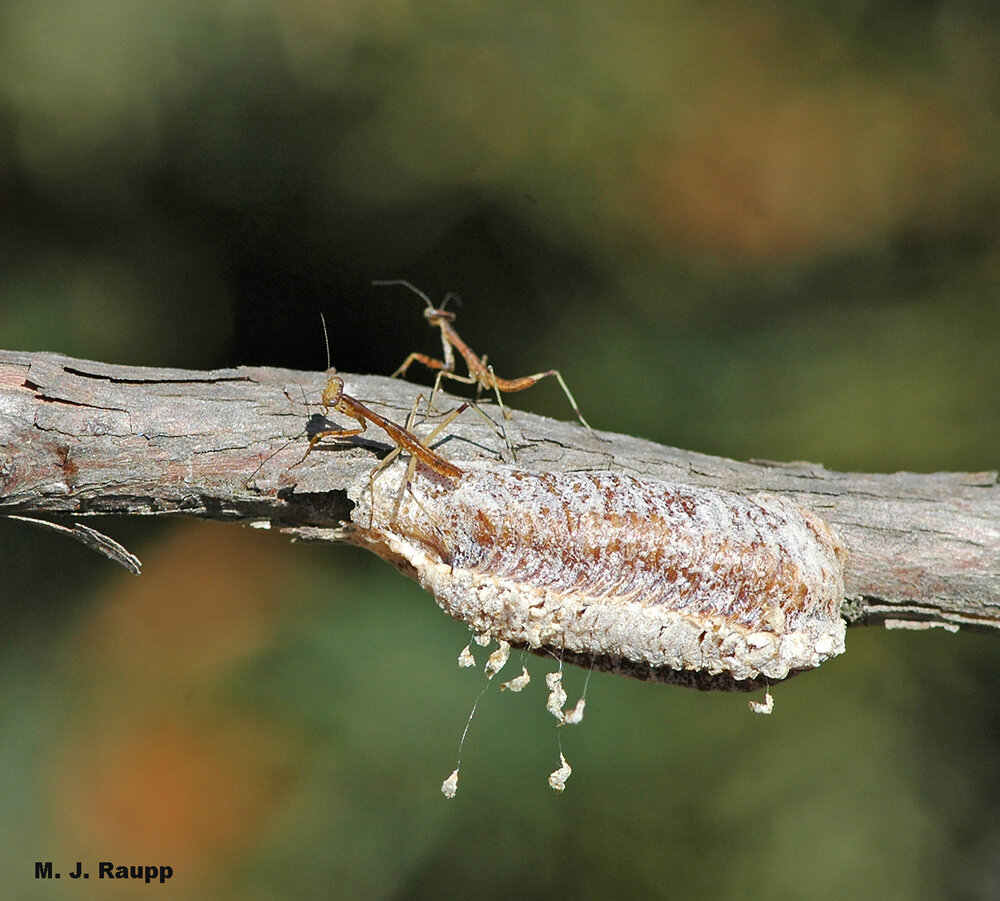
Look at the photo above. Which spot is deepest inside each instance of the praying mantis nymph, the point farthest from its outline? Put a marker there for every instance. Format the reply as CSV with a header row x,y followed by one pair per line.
x,y
334,397
481,374
319,427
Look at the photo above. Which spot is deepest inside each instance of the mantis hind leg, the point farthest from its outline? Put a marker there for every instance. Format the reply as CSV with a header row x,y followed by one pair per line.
x,y
526,381
411,468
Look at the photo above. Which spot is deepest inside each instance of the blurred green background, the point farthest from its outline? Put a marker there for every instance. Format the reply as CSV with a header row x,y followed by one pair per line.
x,y
757,230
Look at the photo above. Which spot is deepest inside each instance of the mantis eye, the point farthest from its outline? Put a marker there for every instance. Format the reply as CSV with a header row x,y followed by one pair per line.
x,y
333,392
437,316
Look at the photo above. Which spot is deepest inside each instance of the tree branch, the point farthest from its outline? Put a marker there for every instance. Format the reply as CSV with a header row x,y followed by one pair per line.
x,y
80,438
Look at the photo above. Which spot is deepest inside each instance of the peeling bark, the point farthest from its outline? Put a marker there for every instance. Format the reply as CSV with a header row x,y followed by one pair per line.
x,y
80,438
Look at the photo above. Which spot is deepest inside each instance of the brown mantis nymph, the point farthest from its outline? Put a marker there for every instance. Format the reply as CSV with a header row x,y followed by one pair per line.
x,y
481,373
319,427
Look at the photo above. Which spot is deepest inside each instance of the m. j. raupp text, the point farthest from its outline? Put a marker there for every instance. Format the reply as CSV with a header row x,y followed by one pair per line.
x,y
107,870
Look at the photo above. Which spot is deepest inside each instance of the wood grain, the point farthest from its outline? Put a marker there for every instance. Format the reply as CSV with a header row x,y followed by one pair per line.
x,y
80,438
